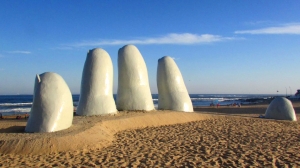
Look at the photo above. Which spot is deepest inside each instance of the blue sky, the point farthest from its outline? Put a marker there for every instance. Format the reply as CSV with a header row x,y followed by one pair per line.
x,y
230,46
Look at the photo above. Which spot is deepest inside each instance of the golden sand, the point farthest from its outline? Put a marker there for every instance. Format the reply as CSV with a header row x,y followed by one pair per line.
x,y
210,137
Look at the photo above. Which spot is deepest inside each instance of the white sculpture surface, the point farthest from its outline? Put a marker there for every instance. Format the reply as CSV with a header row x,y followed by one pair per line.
x,y
172,93
133,85
96,94
52,108
281,109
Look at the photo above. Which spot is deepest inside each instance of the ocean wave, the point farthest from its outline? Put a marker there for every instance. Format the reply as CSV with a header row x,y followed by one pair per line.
x,y
15,104
15,110
212,99
209,99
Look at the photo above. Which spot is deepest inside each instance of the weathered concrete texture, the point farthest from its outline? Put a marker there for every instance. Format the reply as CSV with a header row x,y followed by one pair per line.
x,y
172,93
133,85
96,94
281,109
52,108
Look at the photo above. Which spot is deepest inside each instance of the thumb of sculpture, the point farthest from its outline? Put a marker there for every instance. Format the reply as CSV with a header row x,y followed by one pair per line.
x,y
52,108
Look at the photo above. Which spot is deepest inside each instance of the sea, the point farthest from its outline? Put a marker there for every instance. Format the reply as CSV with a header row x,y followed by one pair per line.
x,y
21,104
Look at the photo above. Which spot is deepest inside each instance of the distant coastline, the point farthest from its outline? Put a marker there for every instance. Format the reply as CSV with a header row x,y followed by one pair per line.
x,y
20,104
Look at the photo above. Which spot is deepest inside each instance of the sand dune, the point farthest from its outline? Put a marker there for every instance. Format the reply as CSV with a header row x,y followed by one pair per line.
x,y
212,137
85,133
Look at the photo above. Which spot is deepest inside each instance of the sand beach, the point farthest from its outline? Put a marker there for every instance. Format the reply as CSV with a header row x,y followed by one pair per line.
x,y
210,137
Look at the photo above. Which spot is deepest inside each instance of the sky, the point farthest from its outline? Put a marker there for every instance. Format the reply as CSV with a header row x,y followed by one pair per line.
x,y
220,46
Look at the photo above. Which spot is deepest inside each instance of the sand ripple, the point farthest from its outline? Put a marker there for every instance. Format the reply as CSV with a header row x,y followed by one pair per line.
x,y
215,142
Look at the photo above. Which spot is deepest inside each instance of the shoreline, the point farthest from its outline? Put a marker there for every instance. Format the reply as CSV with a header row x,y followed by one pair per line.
x,y
18,105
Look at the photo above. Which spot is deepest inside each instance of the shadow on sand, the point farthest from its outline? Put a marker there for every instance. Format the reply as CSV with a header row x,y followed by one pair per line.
x,y
13,129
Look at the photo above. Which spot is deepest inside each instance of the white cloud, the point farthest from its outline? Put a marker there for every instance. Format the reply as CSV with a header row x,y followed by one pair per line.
x,y
285,29
174,38
174,58
19,52
63,48
261,22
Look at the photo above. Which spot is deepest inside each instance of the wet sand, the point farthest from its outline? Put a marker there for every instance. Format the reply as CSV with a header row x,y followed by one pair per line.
x,y
210,137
